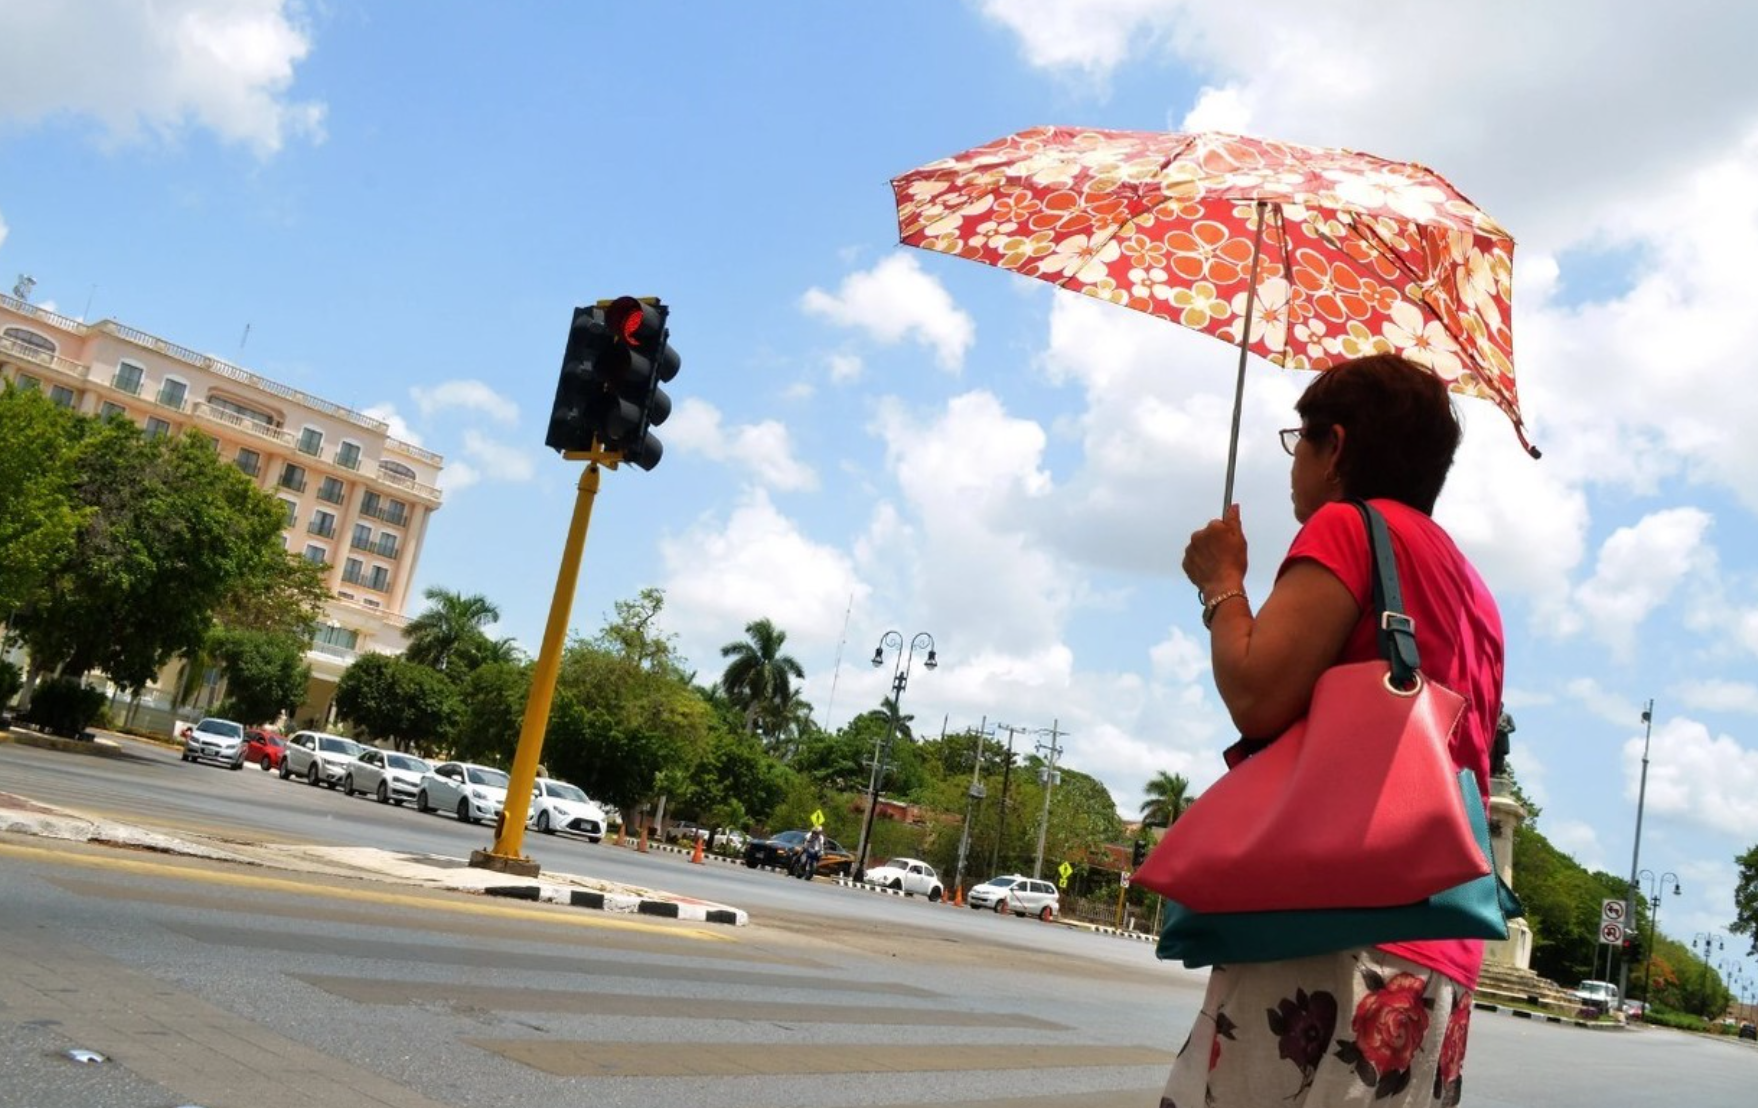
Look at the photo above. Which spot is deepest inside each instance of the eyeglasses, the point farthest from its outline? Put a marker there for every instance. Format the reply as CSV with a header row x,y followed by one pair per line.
x,y
1290,437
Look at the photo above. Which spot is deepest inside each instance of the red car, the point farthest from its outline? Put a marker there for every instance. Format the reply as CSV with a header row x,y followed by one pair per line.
x,y
264,747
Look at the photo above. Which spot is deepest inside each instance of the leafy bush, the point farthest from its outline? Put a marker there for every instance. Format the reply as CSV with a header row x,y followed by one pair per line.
x,y
63,706
11,680
1680,1020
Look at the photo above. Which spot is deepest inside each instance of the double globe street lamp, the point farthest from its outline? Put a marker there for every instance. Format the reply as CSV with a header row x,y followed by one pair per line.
x,y
1656,887
900,679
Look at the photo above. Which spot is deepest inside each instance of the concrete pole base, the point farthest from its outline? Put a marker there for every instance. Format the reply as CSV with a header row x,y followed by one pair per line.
x,y
500,863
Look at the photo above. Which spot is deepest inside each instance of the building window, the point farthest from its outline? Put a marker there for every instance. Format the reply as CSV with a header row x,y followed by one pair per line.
x,y
61,395
362,537
369,504
348,455
311,441
292,512
293,477
398,469
127,379
156,427
330,489
317,554
323,524
172,393
353,573
396,513
110,409
27,382
331,635
380,579
387,545
30,339
249,461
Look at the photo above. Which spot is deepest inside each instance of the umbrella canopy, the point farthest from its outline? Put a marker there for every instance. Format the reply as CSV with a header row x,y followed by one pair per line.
x,y
1307,256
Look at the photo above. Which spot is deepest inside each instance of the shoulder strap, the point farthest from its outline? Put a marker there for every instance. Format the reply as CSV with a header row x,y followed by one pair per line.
x,y
1397,631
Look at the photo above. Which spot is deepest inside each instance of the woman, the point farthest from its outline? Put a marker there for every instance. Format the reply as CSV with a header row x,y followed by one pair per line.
x,y
1384,1025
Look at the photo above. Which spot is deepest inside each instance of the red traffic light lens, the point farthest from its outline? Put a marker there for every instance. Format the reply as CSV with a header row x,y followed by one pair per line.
x,y
625,317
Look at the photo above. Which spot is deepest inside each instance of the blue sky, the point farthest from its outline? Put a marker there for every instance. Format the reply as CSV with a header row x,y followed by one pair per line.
x,y
402,203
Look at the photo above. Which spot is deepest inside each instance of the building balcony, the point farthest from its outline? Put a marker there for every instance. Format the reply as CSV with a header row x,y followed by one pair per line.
x,y
348,461
416,489
55,363
175,401
249,466
292,482
322,528
122,385
330,496
256,429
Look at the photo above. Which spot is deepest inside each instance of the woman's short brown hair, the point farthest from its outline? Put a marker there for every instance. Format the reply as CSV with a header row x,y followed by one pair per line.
x,y
1401,430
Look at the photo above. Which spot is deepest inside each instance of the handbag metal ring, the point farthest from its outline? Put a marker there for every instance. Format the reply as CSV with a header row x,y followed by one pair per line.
x,y
1415,686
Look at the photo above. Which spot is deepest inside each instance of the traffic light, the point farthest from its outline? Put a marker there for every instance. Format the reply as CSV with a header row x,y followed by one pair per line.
x,y
580,400
608,395
637,361
1139,854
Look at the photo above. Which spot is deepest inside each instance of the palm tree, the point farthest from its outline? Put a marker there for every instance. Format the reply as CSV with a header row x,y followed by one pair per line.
x,y
759,679
1168,797
450,620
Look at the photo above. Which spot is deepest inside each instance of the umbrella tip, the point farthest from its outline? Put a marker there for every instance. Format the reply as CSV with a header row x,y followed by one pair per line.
x,y
1534,451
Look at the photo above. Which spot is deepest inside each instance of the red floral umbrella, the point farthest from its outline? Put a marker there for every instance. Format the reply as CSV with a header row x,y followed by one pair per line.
x,y
1307,256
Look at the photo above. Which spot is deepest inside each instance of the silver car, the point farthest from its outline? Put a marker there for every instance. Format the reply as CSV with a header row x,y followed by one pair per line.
x,y
470,791
215,740
1023,896
389,776
319,758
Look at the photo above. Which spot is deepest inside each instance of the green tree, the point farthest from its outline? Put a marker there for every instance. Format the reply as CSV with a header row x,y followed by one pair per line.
x,y
396,700
1168,796
39,514
282,594
1746,899
759,677
451,625
636,637
735,776
266,673
493,703
169,533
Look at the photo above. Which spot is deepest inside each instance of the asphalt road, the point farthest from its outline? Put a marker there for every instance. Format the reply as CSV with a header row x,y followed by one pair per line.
x,y
222,986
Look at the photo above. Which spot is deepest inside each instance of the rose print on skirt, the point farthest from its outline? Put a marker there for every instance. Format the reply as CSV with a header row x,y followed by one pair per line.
x,y
1389,1024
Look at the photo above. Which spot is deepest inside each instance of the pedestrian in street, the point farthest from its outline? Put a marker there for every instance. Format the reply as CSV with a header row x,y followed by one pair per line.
x,y
1383,1025
810,853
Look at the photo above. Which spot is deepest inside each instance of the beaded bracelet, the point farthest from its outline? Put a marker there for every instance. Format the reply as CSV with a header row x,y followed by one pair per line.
x,y
1210,605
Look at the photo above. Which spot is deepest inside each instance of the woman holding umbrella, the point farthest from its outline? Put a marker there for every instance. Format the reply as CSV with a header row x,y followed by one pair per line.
x,y
1380,1025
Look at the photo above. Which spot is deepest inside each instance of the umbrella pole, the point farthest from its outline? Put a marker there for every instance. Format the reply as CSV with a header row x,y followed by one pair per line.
x,y
1257,242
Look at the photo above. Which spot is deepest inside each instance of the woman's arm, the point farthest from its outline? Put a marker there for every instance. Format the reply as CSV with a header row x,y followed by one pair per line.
x,y
1266,665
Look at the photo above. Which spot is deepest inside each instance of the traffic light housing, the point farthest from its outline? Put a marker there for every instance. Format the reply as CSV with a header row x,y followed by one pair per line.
x,y
1139,854
638,360
578,414
608,396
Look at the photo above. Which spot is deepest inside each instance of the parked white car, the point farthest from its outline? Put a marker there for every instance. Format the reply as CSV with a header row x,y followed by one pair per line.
x,y
559,806
320,758
469,791
215,740
911,876
389,776
1023,896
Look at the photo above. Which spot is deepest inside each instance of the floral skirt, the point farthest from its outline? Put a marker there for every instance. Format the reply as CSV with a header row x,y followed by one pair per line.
x,y
1360,1027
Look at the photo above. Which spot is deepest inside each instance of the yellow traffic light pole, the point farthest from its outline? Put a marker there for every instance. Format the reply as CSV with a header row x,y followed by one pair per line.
x,y
509,839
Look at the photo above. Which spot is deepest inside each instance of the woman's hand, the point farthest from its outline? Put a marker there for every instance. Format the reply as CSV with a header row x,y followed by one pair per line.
x,y
1215,560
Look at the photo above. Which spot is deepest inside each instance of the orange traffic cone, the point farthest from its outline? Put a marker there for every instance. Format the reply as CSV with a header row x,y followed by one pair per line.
x,y
642,845
696,855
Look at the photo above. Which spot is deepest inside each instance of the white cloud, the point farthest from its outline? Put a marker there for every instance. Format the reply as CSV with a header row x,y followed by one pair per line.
x,y
1719,696
894,301
470,395
1696,778
763,448
1578,840
844,368
1637,571
498,460
457,476
1091,37
398,427
223,65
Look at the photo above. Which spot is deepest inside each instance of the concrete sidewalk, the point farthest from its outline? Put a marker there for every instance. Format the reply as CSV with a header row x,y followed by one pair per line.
x,y
21,815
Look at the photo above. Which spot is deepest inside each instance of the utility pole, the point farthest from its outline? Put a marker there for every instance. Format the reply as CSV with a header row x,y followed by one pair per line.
x,y
972,804
1006,777
1049,777
1636,850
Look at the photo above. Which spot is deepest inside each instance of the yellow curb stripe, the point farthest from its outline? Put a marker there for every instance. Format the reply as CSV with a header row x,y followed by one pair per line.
x,y
283,885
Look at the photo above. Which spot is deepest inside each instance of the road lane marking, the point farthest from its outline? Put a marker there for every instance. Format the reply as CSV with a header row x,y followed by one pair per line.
x,y
499,910
578,1058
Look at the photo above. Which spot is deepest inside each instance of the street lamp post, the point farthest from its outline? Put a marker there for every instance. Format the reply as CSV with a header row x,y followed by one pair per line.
x,y
1711,942
1658,888
1634,889
900,679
